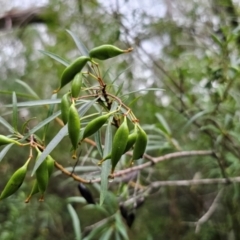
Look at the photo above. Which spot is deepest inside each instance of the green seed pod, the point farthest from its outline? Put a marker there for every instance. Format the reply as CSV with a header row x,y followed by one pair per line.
x,y
65,105
42,176
94,125
140,145
35,188
6,140
73,69
50,165
119,143
107,51
130,142
76,85
15,182
74,126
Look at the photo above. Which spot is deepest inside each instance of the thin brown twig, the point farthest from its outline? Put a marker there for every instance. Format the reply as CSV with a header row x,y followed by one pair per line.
x,y
210,211
139,167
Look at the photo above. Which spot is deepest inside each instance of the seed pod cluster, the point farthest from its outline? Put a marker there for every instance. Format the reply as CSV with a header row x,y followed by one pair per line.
x,y
35,187
74,126
15,182
130,142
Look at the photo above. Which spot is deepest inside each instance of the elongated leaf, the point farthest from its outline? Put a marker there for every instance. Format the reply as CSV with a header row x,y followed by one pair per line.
x,y
144,89
81,47
121,227
106,165
15,111
106,234
18,94
97,138
50,112
44,122
53,143
5,150
85,107
163,125
75,221
94,232
6,124
56,57
28,88
36,103
196,116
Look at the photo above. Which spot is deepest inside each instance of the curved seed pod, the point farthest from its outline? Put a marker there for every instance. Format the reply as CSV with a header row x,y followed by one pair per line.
x,y
76,85
119,143
65,105
6,140
73,69
15,182
140,145
35,189
74,126
94,125
42,176
130,142
86,193
106,51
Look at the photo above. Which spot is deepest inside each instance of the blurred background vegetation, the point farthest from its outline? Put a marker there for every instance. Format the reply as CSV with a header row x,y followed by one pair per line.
x,y
190,49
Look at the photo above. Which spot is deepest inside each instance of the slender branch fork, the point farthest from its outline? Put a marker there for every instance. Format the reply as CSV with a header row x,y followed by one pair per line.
x,y
151,162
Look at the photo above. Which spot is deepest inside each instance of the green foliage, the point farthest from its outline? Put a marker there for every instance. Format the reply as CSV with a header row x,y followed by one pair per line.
x,y
181,81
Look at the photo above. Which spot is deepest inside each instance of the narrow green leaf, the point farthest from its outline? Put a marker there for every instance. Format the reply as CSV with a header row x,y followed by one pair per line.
x,y
217,40
196,116
94,232
75,221
117,236
107,234
36,103
85,107
144,89
97,138
15,111
119,89
6,124
5,150
28,88
163,125
44,122
81,47
121,227
50,112
106,165
56,57
18,94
